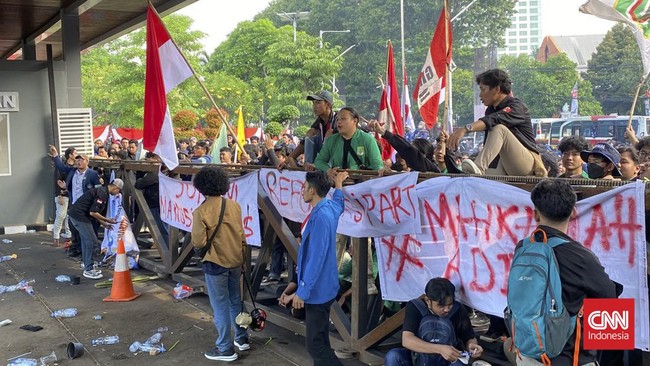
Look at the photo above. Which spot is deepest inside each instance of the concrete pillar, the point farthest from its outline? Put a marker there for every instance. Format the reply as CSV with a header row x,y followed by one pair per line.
x,y
72,58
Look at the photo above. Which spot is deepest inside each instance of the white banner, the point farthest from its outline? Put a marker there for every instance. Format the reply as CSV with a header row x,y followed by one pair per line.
x,y
469,237
374,208
284,189
384,206
178,199
121,229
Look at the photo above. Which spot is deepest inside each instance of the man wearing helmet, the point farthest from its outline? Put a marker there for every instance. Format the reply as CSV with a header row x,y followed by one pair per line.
x,y
317,267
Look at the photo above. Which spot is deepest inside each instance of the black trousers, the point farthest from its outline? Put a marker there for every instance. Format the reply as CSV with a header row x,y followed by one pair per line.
x,y
318,338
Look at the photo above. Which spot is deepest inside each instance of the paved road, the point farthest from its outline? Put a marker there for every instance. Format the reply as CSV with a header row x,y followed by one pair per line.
x,y
189,321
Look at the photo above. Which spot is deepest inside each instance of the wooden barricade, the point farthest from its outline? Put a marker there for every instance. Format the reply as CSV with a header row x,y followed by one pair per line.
x,y
362,331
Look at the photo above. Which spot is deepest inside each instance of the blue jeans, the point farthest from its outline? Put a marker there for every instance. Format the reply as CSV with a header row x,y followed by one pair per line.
x,y
225,299
432,329
89,241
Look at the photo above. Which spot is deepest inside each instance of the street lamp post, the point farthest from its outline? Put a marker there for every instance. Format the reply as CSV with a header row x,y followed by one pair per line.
x,y
293,17
320,35
334,89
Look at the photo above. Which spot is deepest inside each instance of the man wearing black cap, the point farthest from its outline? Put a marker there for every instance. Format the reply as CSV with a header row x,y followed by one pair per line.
x,y
323,127
602,161
92,205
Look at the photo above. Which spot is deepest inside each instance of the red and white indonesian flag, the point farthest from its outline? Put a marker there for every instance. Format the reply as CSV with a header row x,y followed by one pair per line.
x,y
634,13
166,68
389,106
429,91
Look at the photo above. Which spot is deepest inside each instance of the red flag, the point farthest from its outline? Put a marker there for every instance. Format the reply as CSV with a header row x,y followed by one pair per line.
x,y
389,105
429,91
165,69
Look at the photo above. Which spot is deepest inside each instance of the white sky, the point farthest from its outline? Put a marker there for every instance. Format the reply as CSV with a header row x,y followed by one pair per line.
x,y
217,18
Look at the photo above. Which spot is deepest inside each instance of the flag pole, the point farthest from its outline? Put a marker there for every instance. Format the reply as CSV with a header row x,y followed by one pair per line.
x,y
447,71
196,76
403,58
636,97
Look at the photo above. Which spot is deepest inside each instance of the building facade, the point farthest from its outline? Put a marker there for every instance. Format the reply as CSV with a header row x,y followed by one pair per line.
x,y
525,34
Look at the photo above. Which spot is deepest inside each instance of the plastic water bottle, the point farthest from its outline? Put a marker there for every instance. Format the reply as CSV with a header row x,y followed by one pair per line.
x,y
154,339
62,278
8,257
23,362
7,241
162,329
106,340
135,346
65,313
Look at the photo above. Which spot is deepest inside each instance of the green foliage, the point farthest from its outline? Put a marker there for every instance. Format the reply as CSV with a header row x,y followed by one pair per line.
x,y
300,131
213,118
279,71
273,129
113,74
185,120
463,96
283,114
546,87
371,25
615,71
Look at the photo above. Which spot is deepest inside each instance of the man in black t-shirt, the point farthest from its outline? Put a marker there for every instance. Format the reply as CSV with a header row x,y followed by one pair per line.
x,y
92,204
436,328
323,127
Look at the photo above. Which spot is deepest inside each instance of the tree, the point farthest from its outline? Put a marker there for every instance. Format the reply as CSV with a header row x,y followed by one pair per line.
x,y
546,87
615,70
280,72
273,129
284,115
300,131
372,22
113,74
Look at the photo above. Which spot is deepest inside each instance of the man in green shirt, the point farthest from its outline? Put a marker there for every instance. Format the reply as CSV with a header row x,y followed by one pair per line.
x,y
350,148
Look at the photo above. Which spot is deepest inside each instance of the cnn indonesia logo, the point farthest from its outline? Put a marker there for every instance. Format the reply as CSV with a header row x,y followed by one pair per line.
x,y
608,324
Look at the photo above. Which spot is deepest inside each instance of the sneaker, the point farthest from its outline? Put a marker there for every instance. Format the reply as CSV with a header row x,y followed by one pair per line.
x,y
95,267
271,279
243,344
469,167
93,275
344,354
217,355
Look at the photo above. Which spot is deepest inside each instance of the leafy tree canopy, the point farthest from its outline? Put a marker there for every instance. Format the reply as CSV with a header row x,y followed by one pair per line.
x,y
615,71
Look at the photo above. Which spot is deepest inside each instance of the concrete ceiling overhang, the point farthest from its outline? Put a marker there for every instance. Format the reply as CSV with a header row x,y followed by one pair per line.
x,y
39,22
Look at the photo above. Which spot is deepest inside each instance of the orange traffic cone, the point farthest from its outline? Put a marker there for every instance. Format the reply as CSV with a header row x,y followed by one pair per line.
x,y
122,289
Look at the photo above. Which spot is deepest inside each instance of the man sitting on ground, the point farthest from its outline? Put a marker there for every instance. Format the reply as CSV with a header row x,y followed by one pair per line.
x,y
436,328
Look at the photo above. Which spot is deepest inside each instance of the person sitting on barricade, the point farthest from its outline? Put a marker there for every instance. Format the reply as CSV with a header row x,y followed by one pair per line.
x,y
351,148
436,329
509,147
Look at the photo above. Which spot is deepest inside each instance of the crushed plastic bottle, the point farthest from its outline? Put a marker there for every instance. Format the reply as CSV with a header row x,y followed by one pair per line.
x,y
106,340
135,346
8,257
22,285
65,313
162,329
23,361
7,241
98,317
154,339
62,278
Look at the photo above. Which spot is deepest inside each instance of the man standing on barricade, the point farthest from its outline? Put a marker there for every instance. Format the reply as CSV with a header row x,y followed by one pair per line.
x,y
509,147
317,267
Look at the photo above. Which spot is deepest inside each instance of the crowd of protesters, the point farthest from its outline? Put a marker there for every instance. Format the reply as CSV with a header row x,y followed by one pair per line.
x,y
343,140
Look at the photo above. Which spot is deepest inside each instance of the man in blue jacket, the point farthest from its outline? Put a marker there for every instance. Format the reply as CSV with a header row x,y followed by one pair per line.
x,y
318,282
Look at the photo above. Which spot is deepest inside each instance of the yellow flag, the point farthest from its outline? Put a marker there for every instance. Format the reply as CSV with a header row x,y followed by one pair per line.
x,y
241,136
